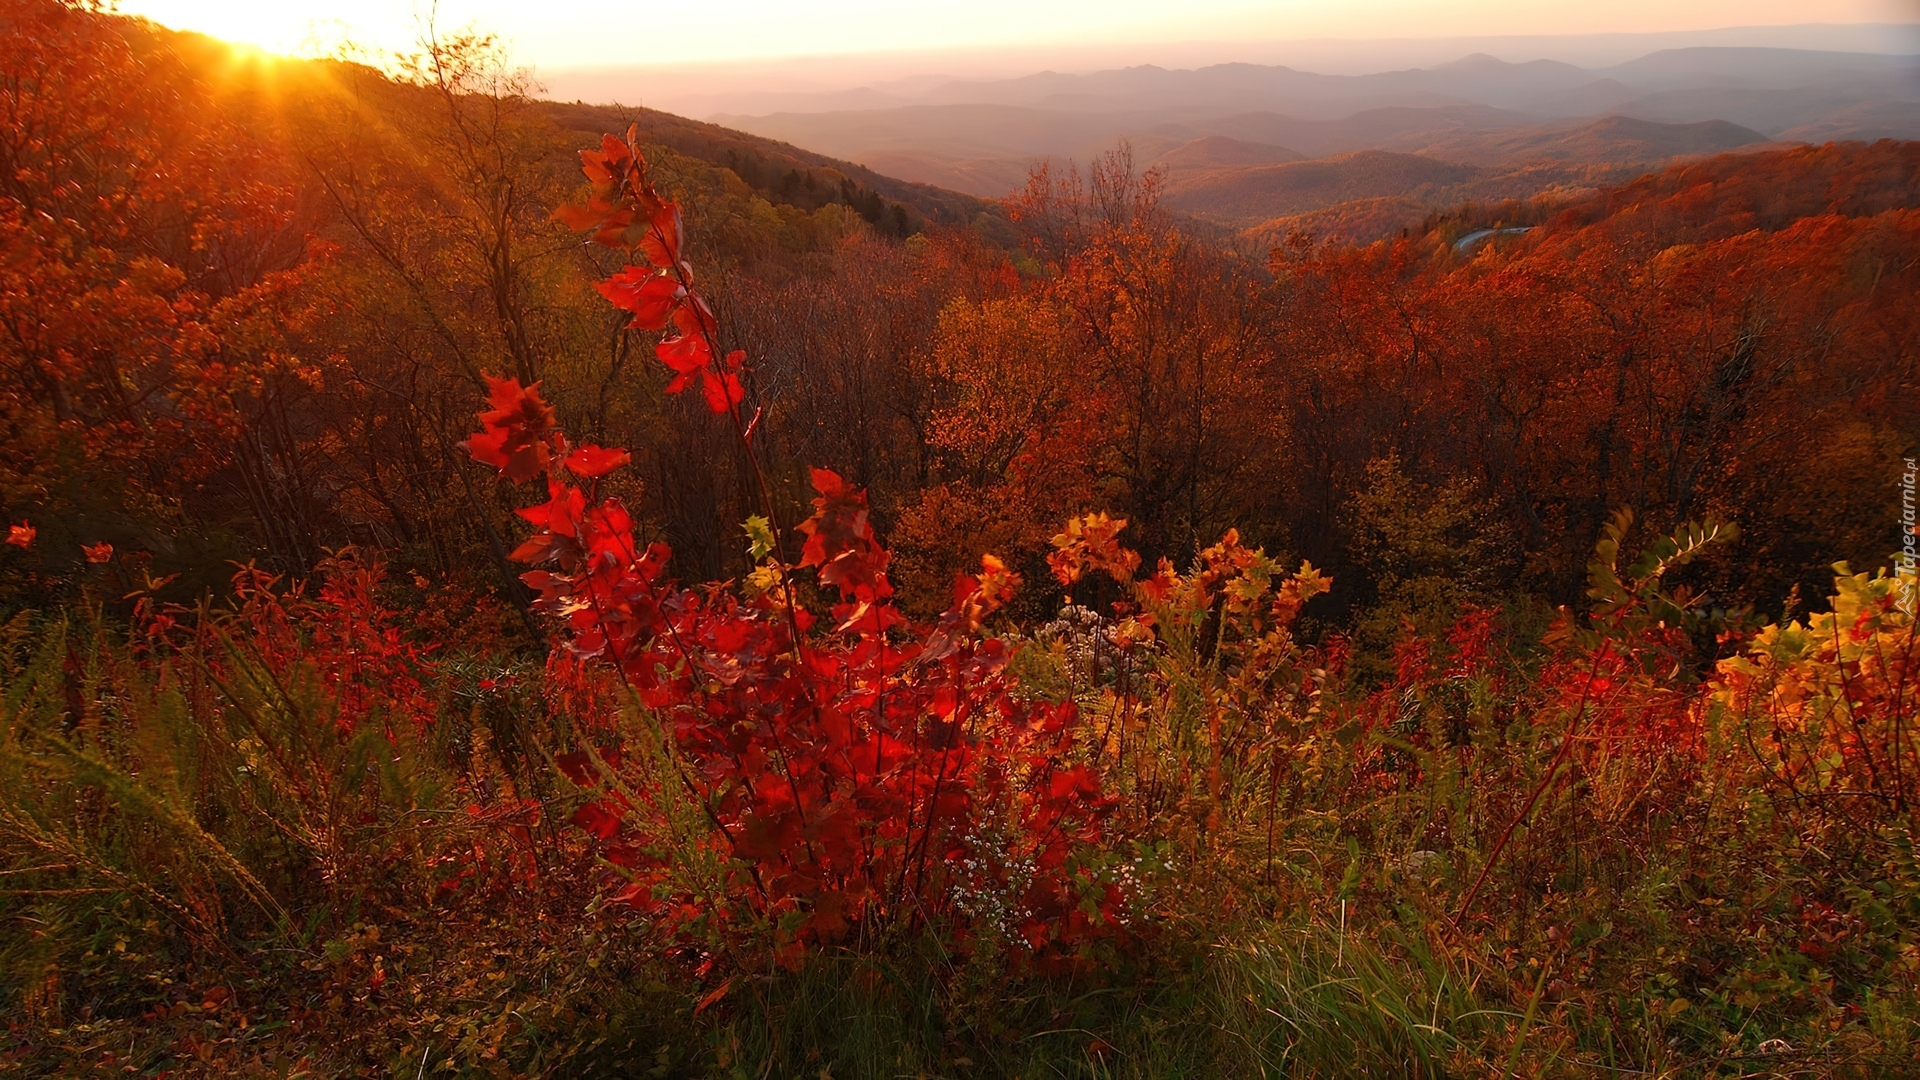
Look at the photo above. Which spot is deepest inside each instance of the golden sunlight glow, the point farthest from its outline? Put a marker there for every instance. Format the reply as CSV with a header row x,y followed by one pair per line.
x,y
572,33
297,27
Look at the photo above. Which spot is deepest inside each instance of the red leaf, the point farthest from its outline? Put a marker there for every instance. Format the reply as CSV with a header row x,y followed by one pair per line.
x,y
649,295
684,352
695,317
98,553
723,392
828,483
599,165
536,548
22,535
666,228
613,228
1078,780
840,540
598,821
561,512
661,244
591,460
516,430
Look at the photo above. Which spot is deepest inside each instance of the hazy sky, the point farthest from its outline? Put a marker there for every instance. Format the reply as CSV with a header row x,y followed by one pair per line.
x,y
581,33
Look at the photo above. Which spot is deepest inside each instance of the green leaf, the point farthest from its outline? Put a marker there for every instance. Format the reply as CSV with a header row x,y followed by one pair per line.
x,y
760,537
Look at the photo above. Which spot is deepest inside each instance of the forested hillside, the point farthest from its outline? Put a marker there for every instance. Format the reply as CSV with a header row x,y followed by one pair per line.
x,y
498,586
301,265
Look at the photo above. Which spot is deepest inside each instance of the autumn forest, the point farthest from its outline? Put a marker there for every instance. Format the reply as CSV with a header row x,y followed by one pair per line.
x,y
497,586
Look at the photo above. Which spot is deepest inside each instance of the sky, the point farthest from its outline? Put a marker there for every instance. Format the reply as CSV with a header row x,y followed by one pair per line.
x,y
572,34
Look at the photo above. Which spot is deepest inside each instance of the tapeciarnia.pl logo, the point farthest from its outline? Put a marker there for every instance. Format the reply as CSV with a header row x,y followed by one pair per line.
x,y
1905,569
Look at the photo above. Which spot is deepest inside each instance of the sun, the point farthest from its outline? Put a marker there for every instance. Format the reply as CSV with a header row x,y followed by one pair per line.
x,y
293,27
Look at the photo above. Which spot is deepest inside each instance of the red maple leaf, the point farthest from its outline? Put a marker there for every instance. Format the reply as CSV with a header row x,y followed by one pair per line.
x,y
722,391
685,354
599,165
662,242
591,460
840,540
650,295
516,431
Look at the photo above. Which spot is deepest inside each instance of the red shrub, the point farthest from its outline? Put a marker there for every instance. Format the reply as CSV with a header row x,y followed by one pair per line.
x,y
848,773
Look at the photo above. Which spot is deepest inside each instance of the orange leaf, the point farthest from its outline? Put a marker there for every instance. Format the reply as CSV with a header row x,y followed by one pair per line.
x,y
576,217
713,995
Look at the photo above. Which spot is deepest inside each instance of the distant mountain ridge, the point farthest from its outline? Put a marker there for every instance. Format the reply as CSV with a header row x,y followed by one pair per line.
x,y
975,135
1382,149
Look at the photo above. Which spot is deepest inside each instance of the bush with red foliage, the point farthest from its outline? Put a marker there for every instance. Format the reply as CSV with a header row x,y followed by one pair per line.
x,y
848,773
346,633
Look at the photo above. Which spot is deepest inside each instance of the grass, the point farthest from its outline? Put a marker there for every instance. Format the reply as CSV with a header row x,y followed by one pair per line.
x,y
202,873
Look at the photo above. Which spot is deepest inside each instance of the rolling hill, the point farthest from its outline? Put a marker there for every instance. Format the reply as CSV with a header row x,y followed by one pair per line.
x,y
1864,122
1220,151
1255,193
1365,194
781,172
1621,140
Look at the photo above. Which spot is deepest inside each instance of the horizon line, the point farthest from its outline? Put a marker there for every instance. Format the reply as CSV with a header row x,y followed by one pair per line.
x,y
1187,43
